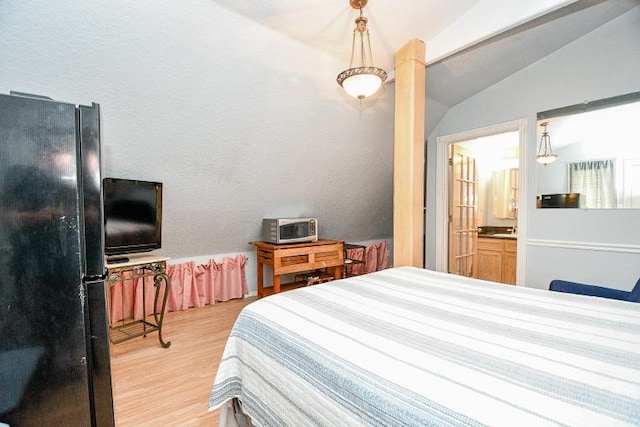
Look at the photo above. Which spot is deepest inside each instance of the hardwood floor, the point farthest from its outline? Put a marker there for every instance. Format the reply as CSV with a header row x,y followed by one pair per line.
x,y
154,386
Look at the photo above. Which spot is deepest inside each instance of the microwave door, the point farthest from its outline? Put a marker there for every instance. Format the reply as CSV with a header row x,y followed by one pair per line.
x,y
288,231
302,229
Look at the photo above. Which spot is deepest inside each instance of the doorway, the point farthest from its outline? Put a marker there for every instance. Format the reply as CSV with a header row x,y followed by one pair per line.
x,y
487,142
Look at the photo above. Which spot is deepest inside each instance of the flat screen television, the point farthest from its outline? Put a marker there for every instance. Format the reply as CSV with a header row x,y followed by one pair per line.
x,y
132,217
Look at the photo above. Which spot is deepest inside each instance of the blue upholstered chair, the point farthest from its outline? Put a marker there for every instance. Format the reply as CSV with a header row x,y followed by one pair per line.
x,y
583,289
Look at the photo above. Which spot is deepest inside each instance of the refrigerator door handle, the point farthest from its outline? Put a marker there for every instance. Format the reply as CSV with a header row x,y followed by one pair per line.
x,y
101,277
90,182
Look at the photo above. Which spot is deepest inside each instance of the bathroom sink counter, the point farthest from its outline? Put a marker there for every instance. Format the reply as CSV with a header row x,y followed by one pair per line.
x,y
500,235
498,232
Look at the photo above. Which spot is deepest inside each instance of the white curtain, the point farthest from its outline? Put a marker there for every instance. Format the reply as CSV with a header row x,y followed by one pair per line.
x,y
595,181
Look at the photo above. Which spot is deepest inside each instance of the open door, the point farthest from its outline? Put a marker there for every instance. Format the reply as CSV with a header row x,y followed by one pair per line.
x,y
463,213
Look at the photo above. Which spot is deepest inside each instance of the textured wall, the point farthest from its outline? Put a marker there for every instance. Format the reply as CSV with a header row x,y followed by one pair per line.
x,y
238,122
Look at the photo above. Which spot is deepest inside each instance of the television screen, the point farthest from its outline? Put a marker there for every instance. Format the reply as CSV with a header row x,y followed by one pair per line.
x,y
132,216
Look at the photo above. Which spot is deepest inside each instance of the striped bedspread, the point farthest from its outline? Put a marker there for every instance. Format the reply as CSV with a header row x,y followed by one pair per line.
x,y
413,347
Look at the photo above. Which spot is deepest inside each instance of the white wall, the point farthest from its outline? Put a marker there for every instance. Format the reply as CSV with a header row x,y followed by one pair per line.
x,y
237,121
596,246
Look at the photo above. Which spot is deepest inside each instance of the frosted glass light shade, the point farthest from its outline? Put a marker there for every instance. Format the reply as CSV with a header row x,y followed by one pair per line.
x,y
362,82
545,159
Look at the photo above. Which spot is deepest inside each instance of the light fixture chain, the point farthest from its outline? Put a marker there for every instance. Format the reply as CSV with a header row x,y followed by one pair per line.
x,y
353,48
363,55
369,45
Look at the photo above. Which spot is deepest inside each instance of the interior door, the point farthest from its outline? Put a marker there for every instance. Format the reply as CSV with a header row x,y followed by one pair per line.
x,y
463,213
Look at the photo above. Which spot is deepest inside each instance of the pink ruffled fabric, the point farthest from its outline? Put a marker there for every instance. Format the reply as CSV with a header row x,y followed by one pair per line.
x,y
191,286
183,292
231,281
376,258
125,299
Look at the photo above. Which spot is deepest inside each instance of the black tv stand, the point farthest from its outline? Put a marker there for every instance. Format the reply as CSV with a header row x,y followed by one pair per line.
x,y
117,259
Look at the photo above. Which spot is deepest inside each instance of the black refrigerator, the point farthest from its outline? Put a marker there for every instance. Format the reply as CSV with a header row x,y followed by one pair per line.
x,y
54,346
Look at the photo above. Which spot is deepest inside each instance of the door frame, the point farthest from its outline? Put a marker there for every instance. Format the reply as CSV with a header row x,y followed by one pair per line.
x,y
442,189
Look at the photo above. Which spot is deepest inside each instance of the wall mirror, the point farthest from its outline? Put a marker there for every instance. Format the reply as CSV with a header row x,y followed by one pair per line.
x,y
496,161
598,154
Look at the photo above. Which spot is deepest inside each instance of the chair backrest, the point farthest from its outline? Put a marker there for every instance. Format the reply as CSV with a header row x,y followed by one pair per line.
x,y
598,291
634,295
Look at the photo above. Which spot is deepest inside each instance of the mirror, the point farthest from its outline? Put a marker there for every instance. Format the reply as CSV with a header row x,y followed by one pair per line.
x,y
505,193
497,159
598,153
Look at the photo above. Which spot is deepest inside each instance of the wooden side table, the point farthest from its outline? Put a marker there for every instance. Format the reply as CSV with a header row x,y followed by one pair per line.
x,y
297,258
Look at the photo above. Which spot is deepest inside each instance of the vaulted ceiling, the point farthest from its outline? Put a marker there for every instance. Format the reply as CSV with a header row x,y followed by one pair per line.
x,y
472,70
471,44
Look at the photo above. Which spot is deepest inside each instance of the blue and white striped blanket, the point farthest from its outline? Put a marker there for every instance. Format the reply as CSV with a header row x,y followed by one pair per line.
x,y
413,347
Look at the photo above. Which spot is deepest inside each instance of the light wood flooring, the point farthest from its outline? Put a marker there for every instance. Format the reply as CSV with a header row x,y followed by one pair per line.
x,y
154,386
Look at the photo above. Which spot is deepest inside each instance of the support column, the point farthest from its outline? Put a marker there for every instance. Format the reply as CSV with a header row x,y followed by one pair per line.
x,y
408,164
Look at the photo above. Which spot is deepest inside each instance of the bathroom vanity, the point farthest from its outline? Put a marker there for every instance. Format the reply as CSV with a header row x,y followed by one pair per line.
x,y
497,254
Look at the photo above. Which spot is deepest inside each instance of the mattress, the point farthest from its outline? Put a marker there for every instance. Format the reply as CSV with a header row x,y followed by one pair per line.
x,y
412,347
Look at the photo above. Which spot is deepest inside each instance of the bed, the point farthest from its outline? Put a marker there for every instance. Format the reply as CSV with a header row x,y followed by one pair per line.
x,y
412,347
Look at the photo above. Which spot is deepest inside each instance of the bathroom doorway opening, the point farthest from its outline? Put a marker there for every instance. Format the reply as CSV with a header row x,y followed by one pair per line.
x,y
468,196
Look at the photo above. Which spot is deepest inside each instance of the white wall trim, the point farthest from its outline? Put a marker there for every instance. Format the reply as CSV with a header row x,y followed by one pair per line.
x,y
585,246
442,189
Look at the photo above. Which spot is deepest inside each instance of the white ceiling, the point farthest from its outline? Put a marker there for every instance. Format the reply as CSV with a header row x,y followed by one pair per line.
x,y
471,44
327,25
445,26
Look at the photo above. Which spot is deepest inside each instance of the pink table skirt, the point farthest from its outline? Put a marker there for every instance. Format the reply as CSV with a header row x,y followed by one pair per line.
x,y
376,258
191,286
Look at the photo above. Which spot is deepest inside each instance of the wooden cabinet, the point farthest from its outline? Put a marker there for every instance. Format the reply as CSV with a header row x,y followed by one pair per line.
x,y
497,259
490,259
297,258
509,256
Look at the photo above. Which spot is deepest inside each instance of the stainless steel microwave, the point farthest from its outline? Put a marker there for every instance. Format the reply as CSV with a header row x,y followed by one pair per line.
x,y
289,230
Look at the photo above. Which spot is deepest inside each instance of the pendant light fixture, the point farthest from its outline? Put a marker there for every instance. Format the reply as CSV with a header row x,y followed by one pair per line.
x,y
363,80
545,152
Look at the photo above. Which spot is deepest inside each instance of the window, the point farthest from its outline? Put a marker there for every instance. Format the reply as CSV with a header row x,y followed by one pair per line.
x,y
595,181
